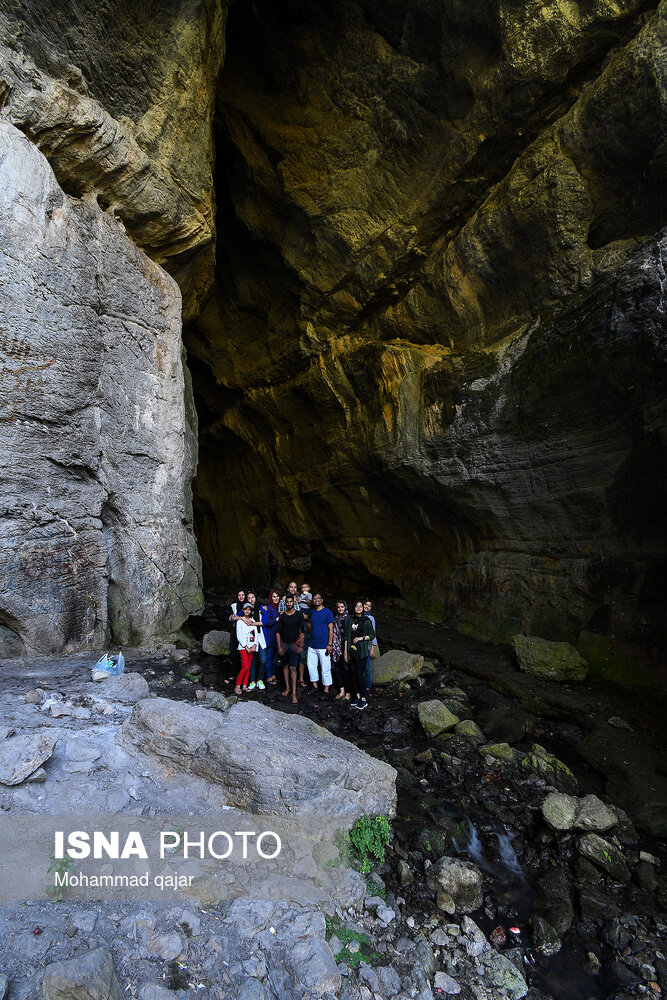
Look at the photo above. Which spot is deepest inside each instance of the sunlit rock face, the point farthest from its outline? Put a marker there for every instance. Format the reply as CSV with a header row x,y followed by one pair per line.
x,y
419,253
433,361
96,451
119,97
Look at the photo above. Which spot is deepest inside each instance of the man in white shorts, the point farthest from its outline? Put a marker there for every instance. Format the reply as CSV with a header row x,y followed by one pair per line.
x,y
321,642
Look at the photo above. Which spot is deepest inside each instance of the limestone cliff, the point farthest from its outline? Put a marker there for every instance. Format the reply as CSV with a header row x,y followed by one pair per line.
x,y
434,359
423,282
96,456
119,97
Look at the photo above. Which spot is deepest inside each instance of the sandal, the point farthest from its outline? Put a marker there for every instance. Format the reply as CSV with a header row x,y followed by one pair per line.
x,y
237,690
338,697
284,693
294,699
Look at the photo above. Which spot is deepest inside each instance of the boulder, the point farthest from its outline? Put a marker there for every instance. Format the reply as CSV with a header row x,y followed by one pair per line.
x,y
216,643
127,688
559,810
554,661
470,730
459,879
435,717
594,815
554,771
266,761
313,966
605,856
396,665
553,901
499,751
21,755
445,984
86,977
504,974
545,938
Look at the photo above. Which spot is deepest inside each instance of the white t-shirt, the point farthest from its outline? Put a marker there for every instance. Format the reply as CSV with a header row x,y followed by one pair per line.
x,y
249,635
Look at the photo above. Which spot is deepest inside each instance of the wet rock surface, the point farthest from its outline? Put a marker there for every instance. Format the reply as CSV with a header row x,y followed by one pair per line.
x,y
453,804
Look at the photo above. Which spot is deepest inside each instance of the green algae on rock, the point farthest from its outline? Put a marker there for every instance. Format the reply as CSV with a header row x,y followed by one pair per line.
x,y
554,661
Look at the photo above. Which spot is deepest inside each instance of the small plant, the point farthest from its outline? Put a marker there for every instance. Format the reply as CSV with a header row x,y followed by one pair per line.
x,y
346,935
369,838
60,866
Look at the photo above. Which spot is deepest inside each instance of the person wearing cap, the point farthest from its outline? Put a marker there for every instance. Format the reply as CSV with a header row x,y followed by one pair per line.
x,y
250,639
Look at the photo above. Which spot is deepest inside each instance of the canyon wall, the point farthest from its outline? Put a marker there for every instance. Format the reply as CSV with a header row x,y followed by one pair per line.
x,y
421,256
433,362
96,456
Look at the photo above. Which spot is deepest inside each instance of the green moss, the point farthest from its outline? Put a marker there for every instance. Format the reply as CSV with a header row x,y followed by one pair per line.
x,y
366,951
369,838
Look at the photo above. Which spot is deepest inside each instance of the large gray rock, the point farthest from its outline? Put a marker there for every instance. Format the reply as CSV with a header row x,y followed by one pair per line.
x,y
128,688
459,879
593,814
267,761
435,717
396,665
96,532
554,661
313,966
605,856
21,755
86,977
559,810
216,643
504,974
549,767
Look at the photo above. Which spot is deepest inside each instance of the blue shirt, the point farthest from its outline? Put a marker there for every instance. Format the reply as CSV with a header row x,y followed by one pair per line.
x,y
320,621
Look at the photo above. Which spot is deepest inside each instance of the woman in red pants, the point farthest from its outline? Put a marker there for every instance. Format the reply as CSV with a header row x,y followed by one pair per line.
x,y
250,638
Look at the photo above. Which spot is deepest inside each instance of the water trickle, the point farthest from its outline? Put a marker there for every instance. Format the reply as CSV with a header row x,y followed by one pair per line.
x,y
474,846
508,855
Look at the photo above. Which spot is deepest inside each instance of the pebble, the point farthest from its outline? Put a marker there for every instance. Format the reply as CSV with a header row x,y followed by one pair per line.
x,y
353,947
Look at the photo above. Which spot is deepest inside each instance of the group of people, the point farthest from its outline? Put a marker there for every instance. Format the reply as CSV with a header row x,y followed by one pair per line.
x,y
291,631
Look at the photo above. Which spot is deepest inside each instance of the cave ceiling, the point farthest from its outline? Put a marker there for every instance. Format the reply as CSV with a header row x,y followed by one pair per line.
x,y
421,257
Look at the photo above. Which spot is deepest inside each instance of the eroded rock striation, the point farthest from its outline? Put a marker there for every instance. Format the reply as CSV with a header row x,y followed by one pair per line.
x,y
97,455
421,252
434,358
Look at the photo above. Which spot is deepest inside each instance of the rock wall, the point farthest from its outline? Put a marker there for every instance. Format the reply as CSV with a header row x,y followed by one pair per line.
x,y
426,367
96,456
120,96
420,258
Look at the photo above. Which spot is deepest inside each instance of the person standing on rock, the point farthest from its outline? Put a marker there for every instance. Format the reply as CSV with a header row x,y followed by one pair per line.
x,y
292,589
321,642
304,605
235,614
359,634
255,666
341,672
368,607
250,638
268,613
289,641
